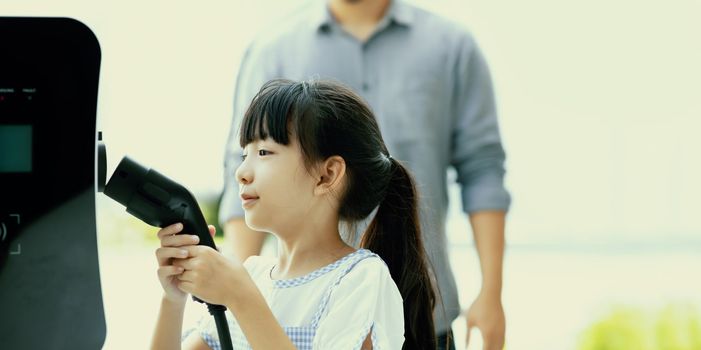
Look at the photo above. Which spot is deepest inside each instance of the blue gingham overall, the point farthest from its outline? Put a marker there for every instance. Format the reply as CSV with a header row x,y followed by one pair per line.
x,y
301,336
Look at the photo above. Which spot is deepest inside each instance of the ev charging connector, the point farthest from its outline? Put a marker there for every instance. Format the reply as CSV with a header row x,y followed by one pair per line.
x,y
160,201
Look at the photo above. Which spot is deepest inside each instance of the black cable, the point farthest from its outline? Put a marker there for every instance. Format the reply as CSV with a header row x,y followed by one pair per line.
x,y
218,311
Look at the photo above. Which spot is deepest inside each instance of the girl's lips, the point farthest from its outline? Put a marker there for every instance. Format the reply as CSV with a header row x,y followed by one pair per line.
x,y
249,201
245,196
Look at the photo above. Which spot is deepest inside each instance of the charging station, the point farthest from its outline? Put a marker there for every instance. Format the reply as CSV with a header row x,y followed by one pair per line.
x,y
50,296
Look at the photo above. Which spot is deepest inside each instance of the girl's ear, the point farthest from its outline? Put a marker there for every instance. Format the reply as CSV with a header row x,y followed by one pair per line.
x,y
331,175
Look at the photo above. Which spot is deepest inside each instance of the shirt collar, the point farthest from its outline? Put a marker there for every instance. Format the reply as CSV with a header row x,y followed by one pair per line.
x,y
398,12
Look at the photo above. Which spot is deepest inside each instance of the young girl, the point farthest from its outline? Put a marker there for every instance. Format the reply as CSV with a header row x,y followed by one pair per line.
x,y
313,157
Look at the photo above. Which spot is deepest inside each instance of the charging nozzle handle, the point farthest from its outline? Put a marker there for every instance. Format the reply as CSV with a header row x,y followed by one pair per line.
x,y
173,197
195,224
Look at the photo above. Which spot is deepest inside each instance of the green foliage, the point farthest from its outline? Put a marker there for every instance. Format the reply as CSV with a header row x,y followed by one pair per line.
x,y
210,209
674,327
678,327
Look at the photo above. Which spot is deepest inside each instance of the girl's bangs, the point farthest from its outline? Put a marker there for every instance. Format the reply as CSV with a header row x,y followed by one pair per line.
x,y
282,110
269,115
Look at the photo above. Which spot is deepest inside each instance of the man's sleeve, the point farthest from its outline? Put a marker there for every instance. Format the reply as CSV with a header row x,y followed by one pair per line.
x,y
255,70
477,152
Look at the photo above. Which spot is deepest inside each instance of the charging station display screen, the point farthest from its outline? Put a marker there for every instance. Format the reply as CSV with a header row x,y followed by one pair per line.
x,y
15,148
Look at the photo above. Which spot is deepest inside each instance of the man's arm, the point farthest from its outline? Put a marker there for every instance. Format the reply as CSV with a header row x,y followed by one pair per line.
x,y
242,239
487,312
488,231
478,157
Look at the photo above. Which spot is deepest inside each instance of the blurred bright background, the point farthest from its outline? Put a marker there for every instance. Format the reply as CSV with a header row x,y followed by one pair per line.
x,y
600,111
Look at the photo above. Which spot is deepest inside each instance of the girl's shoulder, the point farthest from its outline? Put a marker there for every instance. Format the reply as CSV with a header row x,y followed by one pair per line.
x,y
371,272
362,267
364,300
368,264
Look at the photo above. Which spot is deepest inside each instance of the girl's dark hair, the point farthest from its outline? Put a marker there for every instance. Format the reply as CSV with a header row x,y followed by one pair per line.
x,y
329,119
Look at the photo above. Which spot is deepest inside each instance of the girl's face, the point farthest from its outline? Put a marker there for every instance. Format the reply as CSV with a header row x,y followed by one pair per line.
x,y
274,185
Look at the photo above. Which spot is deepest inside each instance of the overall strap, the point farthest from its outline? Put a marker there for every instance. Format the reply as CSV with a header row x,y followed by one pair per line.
x,y
348,266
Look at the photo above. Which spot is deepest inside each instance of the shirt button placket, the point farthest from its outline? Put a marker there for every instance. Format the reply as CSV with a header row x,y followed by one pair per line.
x,y
365,82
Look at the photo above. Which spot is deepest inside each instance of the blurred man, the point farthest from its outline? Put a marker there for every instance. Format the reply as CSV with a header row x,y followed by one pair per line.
x,y
431,91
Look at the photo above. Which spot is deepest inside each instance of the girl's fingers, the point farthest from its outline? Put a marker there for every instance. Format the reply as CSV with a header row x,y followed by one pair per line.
x,y
164,254
170,230
212,230
167,271
186,287
179,240
187,264
186,276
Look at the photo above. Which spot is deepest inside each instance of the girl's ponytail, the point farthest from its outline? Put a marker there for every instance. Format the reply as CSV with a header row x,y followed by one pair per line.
x,y
395,235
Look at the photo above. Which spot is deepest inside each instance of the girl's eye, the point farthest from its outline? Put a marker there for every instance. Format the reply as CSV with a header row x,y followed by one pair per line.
x,y
263,152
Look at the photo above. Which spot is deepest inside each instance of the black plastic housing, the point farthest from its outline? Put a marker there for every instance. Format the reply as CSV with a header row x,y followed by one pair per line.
x,y
50,293
156,199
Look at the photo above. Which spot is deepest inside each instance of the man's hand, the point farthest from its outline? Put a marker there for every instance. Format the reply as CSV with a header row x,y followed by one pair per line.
x,y
487,314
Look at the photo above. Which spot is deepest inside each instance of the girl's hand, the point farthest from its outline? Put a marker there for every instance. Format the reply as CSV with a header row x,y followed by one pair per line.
x,y
210,276
171,251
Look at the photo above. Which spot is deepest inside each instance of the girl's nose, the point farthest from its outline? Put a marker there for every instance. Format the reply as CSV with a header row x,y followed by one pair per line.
x,y
243,174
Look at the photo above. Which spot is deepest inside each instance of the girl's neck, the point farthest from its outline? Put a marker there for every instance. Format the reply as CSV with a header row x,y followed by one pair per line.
x,y
309,241
300,256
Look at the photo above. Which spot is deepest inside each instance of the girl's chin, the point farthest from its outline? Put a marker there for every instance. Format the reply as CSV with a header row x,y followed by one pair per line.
x,y
254,224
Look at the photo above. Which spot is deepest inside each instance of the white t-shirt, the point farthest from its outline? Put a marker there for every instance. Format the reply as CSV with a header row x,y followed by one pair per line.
x,y
334,307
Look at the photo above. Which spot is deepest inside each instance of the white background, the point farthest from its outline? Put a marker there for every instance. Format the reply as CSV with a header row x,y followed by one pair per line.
x,y
600,102
600,106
